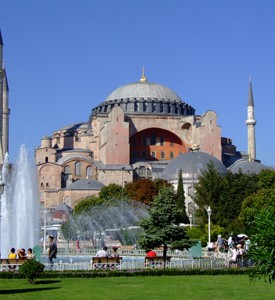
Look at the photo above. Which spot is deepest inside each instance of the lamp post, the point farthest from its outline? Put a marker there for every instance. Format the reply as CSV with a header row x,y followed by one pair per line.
x,y
122,183
45,229
209,212
2,185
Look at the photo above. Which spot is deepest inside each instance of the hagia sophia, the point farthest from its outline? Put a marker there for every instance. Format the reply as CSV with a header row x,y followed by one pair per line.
x,y
141,130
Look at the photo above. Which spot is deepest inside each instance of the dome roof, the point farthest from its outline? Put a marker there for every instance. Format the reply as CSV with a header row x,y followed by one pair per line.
x,y
85,184
248,167
191,163
144,89
144,97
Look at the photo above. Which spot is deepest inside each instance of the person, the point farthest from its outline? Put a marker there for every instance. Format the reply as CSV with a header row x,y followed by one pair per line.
x,y
151,253
220,245
12,255
114,252
22,253
235,253
30,254
52,251
103,252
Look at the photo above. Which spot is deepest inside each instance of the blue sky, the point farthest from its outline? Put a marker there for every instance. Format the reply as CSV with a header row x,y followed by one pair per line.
x,y
64,57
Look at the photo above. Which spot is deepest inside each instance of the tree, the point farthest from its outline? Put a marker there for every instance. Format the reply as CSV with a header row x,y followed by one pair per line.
x,y
181,200
144,190
111,192
208,191
266,179
86,204
161,228
253,204
262,250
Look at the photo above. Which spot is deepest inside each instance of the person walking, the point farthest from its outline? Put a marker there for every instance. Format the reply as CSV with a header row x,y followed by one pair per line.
x,y
52,251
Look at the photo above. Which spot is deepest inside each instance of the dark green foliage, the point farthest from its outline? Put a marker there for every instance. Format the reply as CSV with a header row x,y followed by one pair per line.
x,y
86,204
161,228
182,218
111,192
262,250
266,179
31,269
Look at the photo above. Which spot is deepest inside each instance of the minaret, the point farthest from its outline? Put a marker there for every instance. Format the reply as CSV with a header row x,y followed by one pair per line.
x,y
4,106
251,122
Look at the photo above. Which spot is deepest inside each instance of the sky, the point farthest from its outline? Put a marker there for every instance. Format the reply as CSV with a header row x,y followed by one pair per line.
x,y
64,57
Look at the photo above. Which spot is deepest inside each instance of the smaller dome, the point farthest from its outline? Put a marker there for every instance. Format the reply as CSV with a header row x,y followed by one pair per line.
x,y
63,208
85,184
191,164
248,167
46,137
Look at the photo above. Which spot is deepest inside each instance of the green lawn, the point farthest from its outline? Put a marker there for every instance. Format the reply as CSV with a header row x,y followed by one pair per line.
x,y
141,288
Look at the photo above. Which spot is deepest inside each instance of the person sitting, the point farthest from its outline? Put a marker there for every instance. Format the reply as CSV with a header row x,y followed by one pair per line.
x,y
103,252
151,253
114,252
30,254
21,253
12,255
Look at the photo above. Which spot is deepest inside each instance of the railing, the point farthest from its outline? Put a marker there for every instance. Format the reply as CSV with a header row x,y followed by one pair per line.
x,y
136,263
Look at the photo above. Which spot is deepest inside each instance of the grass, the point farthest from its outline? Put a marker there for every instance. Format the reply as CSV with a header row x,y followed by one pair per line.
x,y
140,288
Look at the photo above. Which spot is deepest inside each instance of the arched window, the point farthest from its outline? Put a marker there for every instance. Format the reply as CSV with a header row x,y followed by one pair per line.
x,y
88,172
171,155
78,168
153,139
143,154
162,154
46,159
153,154
161,141
67,170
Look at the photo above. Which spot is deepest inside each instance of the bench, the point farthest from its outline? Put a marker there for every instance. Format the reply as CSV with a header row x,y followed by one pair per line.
x,y
111,263
156,261
11,264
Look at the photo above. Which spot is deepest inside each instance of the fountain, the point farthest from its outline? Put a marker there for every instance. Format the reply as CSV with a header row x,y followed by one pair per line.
x,y
20,223
108,223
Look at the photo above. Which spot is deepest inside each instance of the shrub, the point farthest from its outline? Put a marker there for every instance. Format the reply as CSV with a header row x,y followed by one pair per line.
x,y
31,269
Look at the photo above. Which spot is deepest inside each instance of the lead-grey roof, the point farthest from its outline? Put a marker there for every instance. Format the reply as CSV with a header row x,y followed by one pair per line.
x,y
191,164
248,167
144,90
85,184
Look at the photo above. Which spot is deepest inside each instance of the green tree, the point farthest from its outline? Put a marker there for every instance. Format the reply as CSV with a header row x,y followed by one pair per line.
x,y
253,204
181,200
86,204
111,192
208,192
266,179
161,228
262,250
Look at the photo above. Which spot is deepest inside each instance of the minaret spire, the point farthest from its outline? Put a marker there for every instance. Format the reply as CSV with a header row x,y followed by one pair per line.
x,y
251,122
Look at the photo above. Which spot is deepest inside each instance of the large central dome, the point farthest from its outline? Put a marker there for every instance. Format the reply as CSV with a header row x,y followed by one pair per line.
x,y
144,90
144,97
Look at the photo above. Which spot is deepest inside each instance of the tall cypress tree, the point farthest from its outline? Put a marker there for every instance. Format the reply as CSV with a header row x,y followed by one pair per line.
x,y
182,218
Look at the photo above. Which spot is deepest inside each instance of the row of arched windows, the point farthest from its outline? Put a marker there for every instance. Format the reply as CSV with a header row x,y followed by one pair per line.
x,y
78,170
145,154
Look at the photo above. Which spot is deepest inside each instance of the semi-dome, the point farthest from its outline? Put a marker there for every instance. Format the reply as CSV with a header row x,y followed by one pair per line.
x,y
145,97
191,164
248,167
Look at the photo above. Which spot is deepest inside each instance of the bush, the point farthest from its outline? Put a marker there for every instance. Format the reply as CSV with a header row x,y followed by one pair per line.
x,y
31,269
